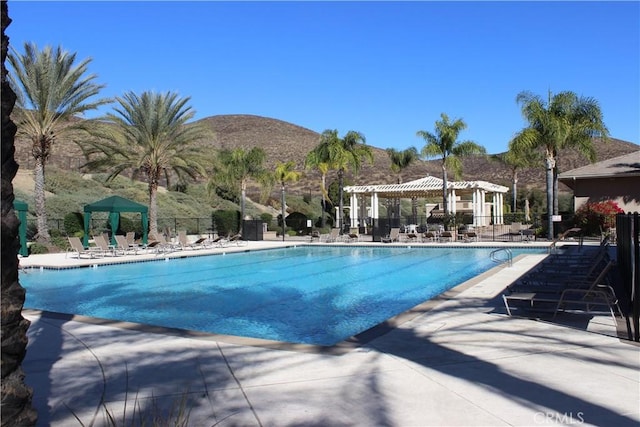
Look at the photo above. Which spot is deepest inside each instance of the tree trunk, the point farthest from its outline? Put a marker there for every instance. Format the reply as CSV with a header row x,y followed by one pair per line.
x,y
550,164
555,190
324,201
153,206
515,192
243,197
284,213
41,211
16,397
340,203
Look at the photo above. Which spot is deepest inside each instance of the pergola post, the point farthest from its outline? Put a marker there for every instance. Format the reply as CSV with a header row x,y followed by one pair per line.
x,y
353,211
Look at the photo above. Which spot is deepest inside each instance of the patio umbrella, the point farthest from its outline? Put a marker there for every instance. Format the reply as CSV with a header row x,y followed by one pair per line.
x,y
527,213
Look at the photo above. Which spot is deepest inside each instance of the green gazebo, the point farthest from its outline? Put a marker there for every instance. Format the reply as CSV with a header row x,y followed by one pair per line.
x,y
21,209
115,205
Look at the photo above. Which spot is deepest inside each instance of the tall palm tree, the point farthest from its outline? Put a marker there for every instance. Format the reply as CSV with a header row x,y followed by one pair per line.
x,y
400,160
341,154
149,137
285,172
17,408
235,168
445,145
312,161
52,90
565,120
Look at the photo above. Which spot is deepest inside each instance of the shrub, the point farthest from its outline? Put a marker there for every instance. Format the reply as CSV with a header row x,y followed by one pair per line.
x,y
266,217
73,222
226,222
596,217
38,248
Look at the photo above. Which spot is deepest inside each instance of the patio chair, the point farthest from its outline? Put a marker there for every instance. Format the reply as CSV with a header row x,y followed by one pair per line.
x,y
446,235
122,245
159,244
131,238
78,248
183,241
104,245
471,236
332,236
351,237
394,236
429,236
219,242
238,240
587,292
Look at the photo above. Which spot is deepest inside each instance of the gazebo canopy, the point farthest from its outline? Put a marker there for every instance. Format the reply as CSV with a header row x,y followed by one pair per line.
x,y
115,205
427,187
424,187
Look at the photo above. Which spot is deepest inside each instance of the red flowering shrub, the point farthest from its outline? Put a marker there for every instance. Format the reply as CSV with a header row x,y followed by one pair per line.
x,y
594,218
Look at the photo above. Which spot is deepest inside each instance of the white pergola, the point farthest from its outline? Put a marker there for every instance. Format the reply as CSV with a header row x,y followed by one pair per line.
x,y
430,186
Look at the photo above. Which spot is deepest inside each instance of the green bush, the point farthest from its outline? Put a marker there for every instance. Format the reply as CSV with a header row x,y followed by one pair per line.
x,y
38,248
226,222
73,222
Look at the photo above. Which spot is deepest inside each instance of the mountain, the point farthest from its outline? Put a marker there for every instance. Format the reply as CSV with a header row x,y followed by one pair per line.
x,y
283,141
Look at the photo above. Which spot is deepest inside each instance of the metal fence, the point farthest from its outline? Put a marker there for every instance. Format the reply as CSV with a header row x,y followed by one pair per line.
x,y
204,226
628,259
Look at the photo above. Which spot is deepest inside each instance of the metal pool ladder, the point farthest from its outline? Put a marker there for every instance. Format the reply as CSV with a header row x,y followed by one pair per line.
x,y
502,255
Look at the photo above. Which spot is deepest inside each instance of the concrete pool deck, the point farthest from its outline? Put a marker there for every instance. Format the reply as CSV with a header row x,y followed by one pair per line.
x,y
460,362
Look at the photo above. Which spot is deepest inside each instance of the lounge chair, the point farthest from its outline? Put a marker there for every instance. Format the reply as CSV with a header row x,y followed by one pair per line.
x,y
446,235
471,236
394,236
104,245
332,236
123,246
351,237
429,236
219,242
131,238
562,296
554,274
412,237
238,240
184,243
78,248
159,244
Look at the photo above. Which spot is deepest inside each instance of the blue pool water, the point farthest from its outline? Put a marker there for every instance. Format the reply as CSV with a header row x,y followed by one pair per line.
x,y
310,295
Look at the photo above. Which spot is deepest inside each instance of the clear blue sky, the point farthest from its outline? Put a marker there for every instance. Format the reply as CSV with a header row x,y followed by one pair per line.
x,y
386,69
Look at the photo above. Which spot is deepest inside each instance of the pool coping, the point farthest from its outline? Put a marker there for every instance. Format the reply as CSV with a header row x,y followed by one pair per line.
x,y
340,348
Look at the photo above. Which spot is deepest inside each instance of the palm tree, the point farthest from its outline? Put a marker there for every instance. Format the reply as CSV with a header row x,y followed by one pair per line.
x,y
312,161
400,160
564,121
149,137
516,160
235,168
341,154
285,172
17,408
444,144
52,90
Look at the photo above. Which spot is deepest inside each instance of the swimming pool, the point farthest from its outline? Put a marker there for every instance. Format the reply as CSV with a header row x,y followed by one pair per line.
x,y
311,295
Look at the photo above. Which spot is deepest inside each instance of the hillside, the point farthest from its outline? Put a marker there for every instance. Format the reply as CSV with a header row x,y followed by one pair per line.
x,y
284,141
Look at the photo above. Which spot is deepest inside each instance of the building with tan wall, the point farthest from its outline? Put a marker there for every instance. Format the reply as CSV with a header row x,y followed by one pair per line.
x,y
616,179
